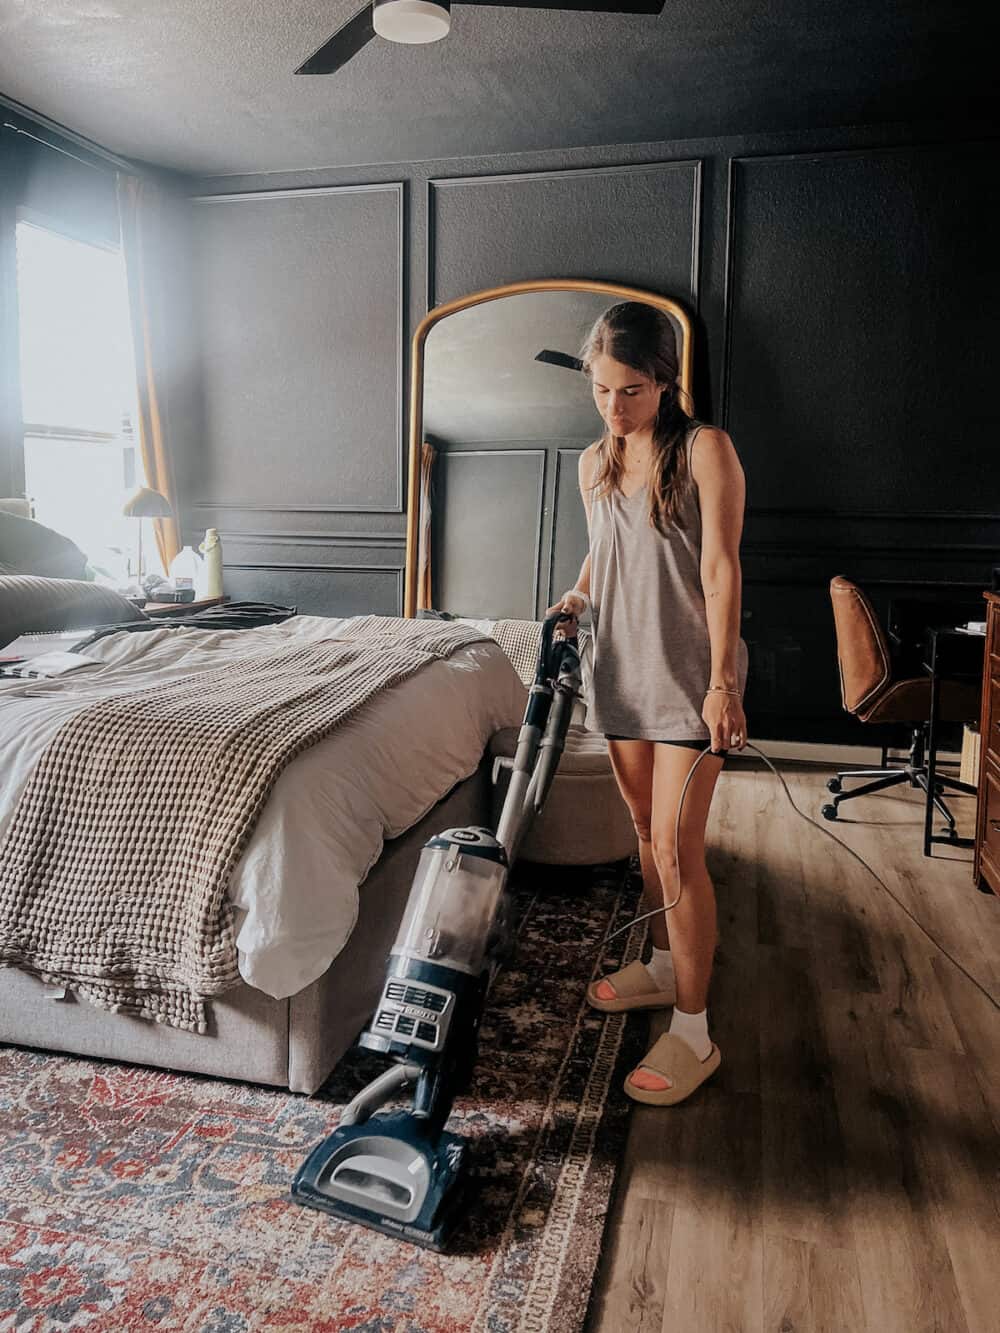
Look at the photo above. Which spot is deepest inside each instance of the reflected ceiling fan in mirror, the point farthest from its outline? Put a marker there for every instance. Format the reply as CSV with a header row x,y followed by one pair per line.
x,y
428,20
559,359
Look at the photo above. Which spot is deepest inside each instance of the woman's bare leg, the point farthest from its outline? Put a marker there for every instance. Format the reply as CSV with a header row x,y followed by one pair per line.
x,y
691,925
632,762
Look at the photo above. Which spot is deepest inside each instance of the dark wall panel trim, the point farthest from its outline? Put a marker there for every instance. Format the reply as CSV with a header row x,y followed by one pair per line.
x,y
392,187
396,572
542,455
506,178
316,568
295,507
987,145
280,538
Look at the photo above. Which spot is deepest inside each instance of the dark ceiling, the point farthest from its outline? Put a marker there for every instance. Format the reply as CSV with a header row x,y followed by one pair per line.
x,y
206,86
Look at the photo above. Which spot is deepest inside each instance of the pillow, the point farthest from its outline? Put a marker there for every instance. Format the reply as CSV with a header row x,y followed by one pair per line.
x,y
30,547
29,604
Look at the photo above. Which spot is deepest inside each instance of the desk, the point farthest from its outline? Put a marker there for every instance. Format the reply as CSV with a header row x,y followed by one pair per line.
x,y
909,618
949,654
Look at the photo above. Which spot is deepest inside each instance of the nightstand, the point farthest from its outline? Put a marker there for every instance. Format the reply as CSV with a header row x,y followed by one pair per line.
x,y
164,609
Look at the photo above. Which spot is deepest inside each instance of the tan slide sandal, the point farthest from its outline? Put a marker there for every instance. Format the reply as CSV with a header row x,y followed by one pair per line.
x,y
672,1058
634,989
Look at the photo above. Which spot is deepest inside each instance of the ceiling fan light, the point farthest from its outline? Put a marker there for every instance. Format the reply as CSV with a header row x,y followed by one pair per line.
x,y
411,20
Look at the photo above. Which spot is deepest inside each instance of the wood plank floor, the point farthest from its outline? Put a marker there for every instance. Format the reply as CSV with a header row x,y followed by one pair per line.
x,y
840,1171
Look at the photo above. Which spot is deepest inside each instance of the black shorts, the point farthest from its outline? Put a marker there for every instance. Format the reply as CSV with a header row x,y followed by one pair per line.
x,y
687,745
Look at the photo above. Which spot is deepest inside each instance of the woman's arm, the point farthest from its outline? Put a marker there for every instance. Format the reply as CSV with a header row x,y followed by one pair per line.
x,y
583,578
722,497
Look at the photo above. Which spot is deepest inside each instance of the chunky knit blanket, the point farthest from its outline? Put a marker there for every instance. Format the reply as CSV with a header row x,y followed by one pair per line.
x,y
113,871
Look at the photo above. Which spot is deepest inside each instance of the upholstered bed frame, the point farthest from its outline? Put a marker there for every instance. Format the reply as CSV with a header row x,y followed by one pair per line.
x,y
292,1043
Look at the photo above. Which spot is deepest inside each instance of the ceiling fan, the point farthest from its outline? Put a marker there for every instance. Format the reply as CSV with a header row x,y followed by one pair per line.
x,y
559,359
428,20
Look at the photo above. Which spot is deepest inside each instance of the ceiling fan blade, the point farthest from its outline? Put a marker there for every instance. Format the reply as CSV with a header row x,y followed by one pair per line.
x,y
346,42
582,6
559,359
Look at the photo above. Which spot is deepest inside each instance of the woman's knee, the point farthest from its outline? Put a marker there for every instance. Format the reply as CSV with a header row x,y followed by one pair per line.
x,y
641,823
664,850
668,857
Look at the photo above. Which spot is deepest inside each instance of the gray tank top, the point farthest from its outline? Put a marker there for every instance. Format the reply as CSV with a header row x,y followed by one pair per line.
x,y
651,648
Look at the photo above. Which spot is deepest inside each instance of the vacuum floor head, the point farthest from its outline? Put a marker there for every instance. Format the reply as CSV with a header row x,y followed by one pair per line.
x,y
385,1175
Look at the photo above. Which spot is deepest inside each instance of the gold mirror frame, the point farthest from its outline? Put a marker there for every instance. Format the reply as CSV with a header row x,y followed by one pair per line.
x,y
669,307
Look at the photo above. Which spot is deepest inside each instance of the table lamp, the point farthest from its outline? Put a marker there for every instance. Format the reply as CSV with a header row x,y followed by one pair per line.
x,y
141,504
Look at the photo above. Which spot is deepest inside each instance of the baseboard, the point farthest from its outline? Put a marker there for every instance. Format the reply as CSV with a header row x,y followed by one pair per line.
x,y
833,755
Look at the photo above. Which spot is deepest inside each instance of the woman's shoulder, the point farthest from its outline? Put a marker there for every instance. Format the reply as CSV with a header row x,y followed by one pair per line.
x,y
587,462
697,427
711,440
711,452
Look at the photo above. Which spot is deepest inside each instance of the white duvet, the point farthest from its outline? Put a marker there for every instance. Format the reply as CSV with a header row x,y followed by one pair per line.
x,y
295,889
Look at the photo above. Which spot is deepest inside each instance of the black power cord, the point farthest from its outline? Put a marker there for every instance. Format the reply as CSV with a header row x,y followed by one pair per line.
x,y
840,843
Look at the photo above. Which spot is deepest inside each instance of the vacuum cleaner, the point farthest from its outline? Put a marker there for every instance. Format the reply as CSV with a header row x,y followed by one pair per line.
x,y
400,1171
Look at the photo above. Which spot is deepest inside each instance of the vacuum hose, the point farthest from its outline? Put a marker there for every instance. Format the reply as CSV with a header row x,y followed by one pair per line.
x,y
377,1092
542,736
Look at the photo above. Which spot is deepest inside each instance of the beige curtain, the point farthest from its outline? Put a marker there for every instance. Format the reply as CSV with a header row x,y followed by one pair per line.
x,y
143,214
424,593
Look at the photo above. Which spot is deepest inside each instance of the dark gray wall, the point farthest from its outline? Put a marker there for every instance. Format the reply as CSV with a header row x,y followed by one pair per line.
x,y
843,287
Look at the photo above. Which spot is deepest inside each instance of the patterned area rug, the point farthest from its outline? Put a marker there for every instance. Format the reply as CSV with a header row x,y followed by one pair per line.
x,y
133,1199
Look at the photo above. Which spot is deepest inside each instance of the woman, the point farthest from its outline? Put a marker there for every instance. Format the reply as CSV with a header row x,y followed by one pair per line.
x,y
664,498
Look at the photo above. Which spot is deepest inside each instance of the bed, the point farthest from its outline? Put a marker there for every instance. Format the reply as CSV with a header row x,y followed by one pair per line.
x,y
320,887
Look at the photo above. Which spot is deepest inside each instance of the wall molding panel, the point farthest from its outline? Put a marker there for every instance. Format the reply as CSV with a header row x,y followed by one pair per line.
x,y
501,545
305,264
318,588
547,224
333,539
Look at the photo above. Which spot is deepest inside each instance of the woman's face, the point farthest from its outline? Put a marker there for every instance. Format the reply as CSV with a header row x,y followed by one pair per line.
x,y
626,399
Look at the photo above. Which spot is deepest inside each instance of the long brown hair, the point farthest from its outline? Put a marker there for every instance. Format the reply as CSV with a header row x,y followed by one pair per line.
x,y
642,337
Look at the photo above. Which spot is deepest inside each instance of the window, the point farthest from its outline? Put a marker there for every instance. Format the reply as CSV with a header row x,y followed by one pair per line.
x,y
78,393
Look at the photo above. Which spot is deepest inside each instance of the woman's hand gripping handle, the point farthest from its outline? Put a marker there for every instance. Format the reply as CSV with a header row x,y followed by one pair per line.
x,y
573,603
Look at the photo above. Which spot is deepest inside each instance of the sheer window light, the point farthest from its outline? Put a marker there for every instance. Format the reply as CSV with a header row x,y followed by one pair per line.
x,y
78,395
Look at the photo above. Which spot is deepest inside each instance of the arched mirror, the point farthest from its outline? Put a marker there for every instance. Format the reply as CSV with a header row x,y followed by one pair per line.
x,y
500,412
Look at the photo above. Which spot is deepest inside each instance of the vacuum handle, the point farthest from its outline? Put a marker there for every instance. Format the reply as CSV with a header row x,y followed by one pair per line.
x,y
551,749
543,669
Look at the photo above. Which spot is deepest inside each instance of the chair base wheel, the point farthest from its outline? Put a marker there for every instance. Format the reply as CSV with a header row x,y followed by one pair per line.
x,y
834,785
829,812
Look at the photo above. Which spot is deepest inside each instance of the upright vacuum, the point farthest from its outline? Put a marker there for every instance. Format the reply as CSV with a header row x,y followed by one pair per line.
x,y
400,1171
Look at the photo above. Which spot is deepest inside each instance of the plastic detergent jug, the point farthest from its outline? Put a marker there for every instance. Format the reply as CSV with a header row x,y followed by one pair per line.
x,y
185,568
211,585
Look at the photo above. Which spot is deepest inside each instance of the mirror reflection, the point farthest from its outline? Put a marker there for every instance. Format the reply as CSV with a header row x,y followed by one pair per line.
x,y
506,413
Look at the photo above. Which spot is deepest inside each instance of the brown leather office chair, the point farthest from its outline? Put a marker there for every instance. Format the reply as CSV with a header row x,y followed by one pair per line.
x,y
873,692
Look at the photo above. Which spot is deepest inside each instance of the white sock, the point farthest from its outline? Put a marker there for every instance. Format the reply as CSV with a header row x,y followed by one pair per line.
x,y
692,1028
661,968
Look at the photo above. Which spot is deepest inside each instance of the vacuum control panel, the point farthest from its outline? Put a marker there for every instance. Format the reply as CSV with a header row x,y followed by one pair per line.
x,y
414,1012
